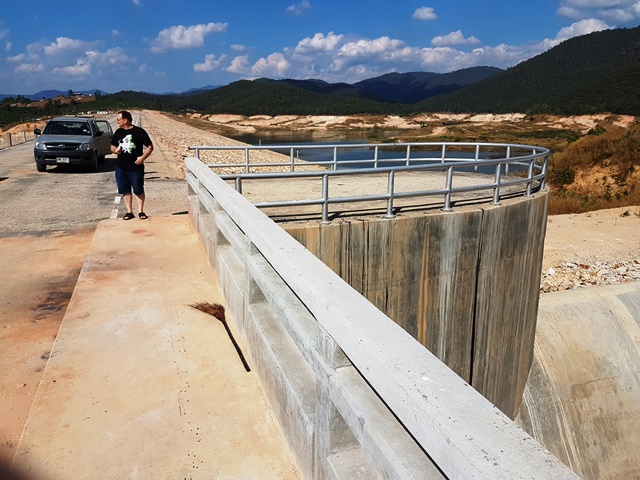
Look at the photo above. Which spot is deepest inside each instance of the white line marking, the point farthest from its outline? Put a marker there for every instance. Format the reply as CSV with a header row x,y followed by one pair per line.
x,y
117,199
114,213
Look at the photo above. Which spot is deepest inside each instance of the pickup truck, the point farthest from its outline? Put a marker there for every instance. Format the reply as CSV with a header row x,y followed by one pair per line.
x,y
73,141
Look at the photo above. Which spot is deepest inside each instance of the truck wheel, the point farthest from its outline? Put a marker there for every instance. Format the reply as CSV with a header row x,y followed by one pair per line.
x,y
94,163
41,167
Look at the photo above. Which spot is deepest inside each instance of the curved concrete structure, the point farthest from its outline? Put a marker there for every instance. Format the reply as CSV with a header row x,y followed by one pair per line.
x,y
464,283
582,400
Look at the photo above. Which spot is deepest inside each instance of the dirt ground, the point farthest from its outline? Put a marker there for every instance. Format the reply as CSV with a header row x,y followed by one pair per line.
x,y
40,272
38,276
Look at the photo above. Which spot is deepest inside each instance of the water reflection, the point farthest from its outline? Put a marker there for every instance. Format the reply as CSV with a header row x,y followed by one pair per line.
x,y
362,157
320,137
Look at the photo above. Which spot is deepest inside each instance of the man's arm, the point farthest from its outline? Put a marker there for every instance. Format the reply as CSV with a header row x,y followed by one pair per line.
x,y
145,154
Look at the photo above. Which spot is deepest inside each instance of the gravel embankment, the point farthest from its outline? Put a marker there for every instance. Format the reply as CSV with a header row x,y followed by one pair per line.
x,y
606,265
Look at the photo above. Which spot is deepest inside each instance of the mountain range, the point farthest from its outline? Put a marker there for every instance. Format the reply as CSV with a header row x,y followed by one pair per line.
x,y
593,73
392,87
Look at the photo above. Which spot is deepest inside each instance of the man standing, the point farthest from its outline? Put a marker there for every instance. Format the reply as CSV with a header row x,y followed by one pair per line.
x,y
132,145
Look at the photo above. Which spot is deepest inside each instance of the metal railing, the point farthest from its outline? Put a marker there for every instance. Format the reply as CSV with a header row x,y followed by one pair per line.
x,y
501,168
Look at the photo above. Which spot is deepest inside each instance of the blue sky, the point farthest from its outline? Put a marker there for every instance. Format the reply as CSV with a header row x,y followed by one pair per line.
x,y
164,46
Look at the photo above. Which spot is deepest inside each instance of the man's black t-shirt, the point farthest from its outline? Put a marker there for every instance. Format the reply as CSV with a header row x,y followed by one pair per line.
x,y
132,142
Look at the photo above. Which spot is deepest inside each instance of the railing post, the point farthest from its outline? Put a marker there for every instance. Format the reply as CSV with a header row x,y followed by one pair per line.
x,y
238,184
246,160
496,189
543,184
447,196
325,199
530,176
9,139
390,189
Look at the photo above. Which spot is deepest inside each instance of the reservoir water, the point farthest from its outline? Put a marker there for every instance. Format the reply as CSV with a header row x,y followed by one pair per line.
x,y
351,155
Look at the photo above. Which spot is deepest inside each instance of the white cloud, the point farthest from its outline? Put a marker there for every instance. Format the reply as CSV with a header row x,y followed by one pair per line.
x,y
582,27
275,66
21,57
239,65
65,45
179,36
453,38
299,8
368,48
210,63
623,12
424,13
29,68
80,69
318,43
238,48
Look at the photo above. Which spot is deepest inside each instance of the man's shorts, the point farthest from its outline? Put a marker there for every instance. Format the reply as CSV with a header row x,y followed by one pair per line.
x,y
130,179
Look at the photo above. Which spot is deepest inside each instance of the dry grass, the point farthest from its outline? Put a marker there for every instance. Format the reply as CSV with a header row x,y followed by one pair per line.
x,y
598,171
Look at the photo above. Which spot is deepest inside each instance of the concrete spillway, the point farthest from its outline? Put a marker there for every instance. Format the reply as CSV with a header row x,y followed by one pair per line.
x,y
582,399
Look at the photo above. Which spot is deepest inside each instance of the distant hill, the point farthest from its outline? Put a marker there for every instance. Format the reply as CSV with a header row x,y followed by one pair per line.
x,y
270,97
340,89
594,73
51,94
598,72
414,87
408,88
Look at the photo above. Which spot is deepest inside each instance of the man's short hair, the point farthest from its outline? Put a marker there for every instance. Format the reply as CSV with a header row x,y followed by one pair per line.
x,y
125,114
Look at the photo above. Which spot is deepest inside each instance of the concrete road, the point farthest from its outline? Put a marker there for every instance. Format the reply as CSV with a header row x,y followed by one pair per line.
x,y
70,198
47,222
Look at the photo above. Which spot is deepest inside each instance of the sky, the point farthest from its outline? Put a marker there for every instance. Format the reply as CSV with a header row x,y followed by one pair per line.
x,y
164,46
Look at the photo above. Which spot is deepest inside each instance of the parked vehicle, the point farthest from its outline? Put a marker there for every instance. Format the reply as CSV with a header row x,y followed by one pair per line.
x,y
74,141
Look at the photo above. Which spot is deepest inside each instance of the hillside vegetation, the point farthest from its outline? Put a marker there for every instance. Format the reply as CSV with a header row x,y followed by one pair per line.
x,y
600,170
589,74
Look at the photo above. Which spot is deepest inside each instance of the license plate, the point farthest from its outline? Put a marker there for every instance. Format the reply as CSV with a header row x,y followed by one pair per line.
x,y
62,159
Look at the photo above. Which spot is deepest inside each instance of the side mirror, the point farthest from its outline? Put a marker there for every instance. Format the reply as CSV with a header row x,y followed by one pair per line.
x,y
37,131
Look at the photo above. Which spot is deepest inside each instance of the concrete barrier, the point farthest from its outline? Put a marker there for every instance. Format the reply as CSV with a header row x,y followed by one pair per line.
x,y
354,393
465,284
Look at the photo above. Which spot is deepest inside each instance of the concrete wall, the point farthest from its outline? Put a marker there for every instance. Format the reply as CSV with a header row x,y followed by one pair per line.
x,y
355,395
464,284
582,399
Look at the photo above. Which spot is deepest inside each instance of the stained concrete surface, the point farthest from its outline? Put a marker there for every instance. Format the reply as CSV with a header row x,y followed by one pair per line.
x,y
141,385
582,399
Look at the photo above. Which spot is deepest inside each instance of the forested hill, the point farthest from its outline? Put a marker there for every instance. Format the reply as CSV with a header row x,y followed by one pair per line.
x,y
416,86
594,73
598,72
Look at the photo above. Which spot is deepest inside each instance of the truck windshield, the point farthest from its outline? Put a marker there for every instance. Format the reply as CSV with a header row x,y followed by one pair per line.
x,y
67,128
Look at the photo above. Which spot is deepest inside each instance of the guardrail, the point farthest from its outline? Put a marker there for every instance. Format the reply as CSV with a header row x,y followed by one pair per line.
x,y
11,139
507,168
353,392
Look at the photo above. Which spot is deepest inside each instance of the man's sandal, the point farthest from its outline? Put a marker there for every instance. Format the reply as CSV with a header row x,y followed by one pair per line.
x,y
143,216
128,216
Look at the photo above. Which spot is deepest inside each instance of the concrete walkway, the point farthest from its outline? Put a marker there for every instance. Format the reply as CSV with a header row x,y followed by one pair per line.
x,y
140,385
